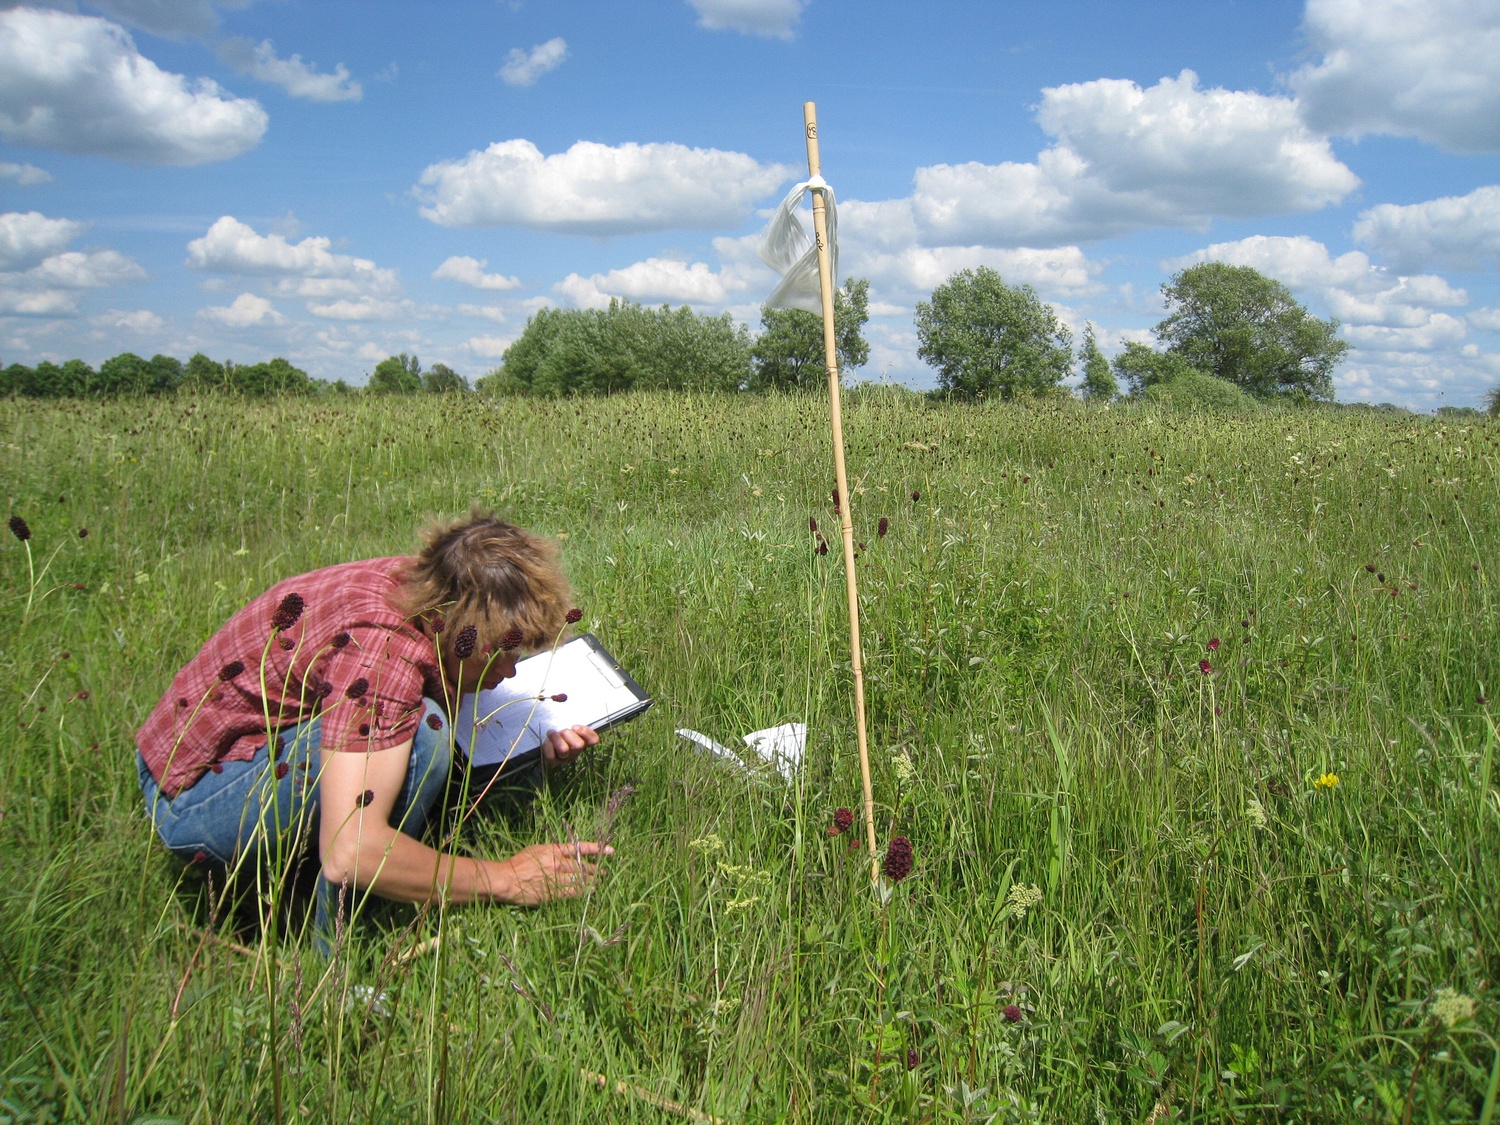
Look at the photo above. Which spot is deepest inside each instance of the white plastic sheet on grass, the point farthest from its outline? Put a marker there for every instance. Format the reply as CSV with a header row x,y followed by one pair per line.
x,y
779,747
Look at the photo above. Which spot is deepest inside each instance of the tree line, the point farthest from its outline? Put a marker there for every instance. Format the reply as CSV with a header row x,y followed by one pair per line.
x,y
1230,332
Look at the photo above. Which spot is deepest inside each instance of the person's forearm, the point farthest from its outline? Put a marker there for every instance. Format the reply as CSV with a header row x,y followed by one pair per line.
x,y
395,866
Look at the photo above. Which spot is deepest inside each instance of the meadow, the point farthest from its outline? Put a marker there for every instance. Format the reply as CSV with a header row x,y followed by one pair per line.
x,y
1186,715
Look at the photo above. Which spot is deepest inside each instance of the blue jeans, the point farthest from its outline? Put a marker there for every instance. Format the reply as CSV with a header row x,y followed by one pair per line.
x,y
245,813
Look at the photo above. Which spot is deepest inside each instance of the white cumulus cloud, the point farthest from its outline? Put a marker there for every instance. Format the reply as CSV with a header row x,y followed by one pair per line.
x,y
26,237
655,279
78,84
776,18
137,320
38,277
523,68
307,268
597,189
1414,68
361,308
1457,232
1485,319
489,347
246,311
1127,157
27,175
297,78
470,271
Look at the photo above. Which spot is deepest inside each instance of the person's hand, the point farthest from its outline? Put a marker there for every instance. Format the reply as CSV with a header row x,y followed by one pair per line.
x,y
561,746
544,872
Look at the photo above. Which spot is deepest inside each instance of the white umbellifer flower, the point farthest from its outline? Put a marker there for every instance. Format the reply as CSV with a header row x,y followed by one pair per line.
x,y
1255,813
1451,1006
906,773
1022,898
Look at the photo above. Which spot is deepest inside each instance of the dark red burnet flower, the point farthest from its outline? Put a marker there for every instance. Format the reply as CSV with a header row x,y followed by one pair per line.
x,y
812,524
1213,644
282,769
358,688
512,639
915,496
822,547
1012,1013
83,533
200,857
288,613
575,615
560,697
231,670
882,527
19,528
835,495
365,798
898,859
340,640
434,722
911,1058
1370,567
463,644
843,820
1205,667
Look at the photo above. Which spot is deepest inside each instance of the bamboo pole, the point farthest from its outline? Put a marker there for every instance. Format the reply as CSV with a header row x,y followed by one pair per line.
x,y
826,282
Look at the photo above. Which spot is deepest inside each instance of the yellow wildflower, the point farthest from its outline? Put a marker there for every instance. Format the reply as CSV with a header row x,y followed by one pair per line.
x,y
1327,781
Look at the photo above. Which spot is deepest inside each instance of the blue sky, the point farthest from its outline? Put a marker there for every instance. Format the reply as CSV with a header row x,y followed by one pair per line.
x,y
335,181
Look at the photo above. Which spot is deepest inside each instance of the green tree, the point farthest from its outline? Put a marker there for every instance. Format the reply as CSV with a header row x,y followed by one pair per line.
x,y
1098,382
990,339
1236,323
1142,368
788,354
623,347
396,374
440,379
1492,402
123,374
203,374
262,380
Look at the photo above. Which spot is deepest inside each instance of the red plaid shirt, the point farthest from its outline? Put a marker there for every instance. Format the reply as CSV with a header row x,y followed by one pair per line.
x,y
350,659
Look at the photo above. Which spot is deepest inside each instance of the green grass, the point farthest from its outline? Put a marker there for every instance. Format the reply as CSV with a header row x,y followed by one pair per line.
x,y
1033,630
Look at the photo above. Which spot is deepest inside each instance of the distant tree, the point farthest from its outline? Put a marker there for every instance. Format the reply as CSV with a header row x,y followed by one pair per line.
x,y
14,379
203,374
126,373
1142,367
441,379
1098,382
262,380
623,347
1492,402
1235,323
397,374
788,354
989,339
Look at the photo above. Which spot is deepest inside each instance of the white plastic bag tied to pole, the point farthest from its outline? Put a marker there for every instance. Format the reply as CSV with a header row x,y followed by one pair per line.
x,y
786,247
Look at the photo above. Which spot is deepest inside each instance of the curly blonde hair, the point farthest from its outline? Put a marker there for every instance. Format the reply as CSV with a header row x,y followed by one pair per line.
x,y
481,571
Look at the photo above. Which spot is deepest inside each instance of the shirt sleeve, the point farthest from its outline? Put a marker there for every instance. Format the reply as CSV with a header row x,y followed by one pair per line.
x,y
374,696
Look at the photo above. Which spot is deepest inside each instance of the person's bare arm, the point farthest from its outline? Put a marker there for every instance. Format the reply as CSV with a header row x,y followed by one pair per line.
x,y
356,842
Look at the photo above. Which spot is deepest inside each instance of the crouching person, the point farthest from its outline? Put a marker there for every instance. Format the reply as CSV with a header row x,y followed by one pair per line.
x,y
317,716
